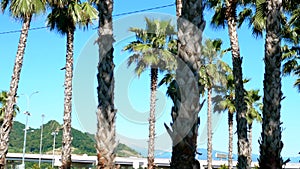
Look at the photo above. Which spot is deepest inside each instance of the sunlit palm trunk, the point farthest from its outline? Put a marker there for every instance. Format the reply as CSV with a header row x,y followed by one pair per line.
x,y
11,100
250,144
271,144
106,132
151,164
230,146
186,108
209,130
67,137
239,87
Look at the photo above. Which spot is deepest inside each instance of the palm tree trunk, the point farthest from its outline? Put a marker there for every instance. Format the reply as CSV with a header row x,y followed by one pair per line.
x,y
250,144
185,118
239,87
230,146
67,137
209,130
11,100
178,7
106,112
271,144
151,164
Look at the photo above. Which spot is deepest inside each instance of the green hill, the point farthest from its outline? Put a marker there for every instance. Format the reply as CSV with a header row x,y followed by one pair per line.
x,y
83,143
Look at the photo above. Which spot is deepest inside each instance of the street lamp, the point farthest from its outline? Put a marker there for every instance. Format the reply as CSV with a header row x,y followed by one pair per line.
x,y
41,141
27,113
54,133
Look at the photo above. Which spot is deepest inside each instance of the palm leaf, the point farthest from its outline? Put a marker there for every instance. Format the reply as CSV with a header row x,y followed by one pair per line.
x,y
244,15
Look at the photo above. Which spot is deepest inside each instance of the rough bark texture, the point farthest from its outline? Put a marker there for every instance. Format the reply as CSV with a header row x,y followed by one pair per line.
x,y
209,130
67,137
239,87
250,144
178,7
184,128
106,132
270,143
151,164
11,100
230,145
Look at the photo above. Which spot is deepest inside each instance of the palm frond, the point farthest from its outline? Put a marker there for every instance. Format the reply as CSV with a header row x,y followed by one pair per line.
x,y
219,20
259,19
4,4
297,84
244,15
167,79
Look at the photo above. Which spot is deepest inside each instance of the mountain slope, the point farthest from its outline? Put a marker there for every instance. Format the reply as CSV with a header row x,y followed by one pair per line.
x,y
83,143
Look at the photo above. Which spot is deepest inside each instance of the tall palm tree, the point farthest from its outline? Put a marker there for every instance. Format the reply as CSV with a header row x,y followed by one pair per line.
x,y
223,101
185,120
270,143
212,72
290,31
227,11
106,130
252,99
150,50
22,10
64,17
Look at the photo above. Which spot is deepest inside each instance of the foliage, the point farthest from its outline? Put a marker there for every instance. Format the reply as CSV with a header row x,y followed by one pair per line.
x,y
65,15
3,100
83,143
291,66
23,8
153,46
213,70
252,99
223,166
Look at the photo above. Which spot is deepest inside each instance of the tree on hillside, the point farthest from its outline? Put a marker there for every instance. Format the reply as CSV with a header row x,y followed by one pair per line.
x,y
22,10
213,72
64,17
150,50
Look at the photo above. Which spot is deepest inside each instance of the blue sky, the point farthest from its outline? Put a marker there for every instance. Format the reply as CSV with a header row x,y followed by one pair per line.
x,y
45,55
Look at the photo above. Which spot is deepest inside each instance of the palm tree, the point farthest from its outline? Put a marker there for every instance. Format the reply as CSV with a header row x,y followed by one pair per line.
x,y
223,101
151,50
106,130
227,11
212,72
185,120
253,106
22,10
3,101
64,17
270,143
291,56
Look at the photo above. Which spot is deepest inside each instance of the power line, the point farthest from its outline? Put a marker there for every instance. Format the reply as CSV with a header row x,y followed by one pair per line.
x,y
120,14
15,31
144,10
